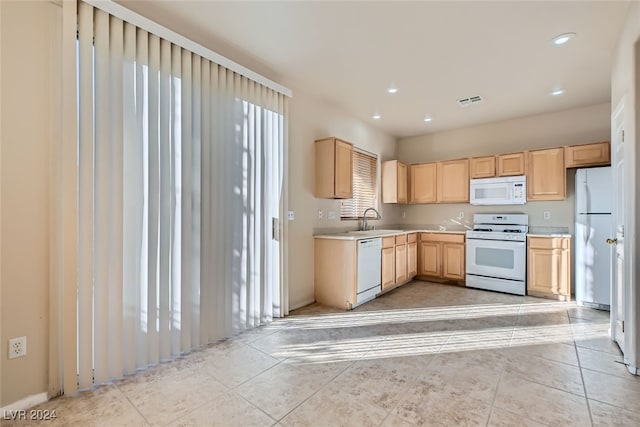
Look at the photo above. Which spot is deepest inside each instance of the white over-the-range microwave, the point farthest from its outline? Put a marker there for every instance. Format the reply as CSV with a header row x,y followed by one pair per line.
x,y
507,190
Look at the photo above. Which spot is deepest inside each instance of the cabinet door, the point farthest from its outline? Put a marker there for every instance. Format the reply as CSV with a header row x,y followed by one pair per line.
x,y
394,182
453,181
343,170
549,267
598,154
482,167
423,183
453,261
388,268
403,196
511,164
429,259
412,260
546,175
401,263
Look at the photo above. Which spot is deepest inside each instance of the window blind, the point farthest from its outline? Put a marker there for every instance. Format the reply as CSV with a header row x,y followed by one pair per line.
x,y
181,165
365,189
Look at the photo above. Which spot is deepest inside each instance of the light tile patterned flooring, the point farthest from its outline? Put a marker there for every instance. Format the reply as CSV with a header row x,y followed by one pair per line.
x,y
424,354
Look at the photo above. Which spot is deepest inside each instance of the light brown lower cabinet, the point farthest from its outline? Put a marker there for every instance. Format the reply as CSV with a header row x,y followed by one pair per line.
x,y
388,268
549,267
442,256
399,260
412,257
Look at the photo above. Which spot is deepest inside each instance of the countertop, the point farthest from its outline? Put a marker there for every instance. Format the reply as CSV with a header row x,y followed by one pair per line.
x,y
549,235
369,234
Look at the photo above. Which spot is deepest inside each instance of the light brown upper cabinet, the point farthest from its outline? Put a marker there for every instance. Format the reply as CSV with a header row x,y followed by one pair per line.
x,y
482,167
510,164
423,183
394,182
546,175
453,181
334,169
579,156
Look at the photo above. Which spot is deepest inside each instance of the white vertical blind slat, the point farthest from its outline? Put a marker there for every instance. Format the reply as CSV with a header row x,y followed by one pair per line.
x,y
102,198
196,197
132,202
153,197
165,230
85,198
183,326
114,310
142,129
172,190
206,179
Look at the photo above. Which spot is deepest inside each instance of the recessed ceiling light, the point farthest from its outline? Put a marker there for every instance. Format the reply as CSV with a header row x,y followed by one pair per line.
x,y
392,90
557,92
562,38
376,116
427,119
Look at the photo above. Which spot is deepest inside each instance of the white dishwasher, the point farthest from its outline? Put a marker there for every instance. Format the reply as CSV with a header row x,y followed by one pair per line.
x,y
369,270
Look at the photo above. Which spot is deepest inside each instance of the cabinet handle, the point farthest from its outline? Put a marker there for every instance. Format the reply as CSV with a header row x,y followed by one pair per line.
x,y
612,241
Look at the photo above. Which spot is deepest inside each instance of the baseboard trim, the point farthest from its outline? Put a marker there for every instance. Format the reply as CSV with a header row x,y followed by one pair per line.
x,y
302,304
26,403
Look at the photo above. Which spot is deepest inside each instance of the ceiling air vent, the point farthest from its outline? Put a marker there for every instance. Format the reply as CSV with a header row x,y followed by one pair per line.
x,y
464,102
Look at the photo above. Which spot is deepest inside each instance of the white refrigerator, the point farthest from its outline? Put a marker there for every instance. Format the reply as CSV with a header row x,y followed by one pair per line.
x,y
593,227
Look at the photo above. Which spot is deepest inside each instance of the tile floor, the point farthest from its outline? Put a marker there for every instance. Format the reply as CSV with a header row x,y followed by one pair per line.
x,y
424,354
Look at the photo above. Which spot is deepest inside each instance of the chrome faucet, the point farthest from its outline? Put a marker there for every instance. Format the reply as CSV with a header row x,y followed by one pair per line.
x,y
364,218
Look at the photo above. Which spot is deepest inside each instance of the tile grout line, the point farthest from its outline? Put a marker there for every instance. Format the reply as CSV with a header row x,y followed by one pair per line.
x,y
495,394
584,385
132,404
318,390
406,391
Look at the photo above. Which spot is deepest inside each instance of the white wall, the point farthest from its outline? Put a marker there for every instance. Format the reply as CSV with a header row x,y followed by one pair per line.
x,y
26,135
312,119
576,126
625,83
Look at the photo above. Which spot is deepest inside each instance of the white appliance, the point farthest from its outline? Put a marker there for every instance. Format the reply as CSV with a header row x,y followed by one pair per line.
x,y
369,274
497,253
507,190
593,226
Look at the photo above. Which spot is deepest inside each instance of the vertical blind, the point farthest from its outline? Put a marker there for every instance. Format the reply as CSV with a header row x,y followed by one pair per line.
x,y
365,190
180,184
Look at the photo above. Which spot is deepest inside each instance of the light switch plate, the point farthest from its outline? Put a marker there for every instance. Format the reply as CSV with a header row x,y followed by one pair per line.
x,y
320,214
331,215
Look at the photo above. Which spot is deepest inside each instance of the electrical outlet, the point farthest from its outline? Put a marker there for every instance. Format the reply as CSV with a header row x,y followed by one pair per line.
x,y
17,347
331,215
461,215
291,215
546,215
320,214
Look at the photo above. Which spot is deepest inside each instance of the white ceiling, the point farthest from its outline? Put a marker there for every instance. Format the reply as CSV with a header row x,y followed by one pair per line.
x,y
348,53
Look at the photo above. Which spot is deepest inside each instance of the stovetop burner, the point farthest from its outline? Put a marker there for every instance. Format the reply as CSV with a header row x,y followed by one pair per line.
x,y
511,227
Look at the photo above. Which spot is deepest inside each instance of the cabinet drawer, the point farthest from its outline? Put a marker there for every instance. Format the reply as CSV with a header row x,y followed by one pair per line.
x,y
412,237
388,242
442,237
401,239
548,243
